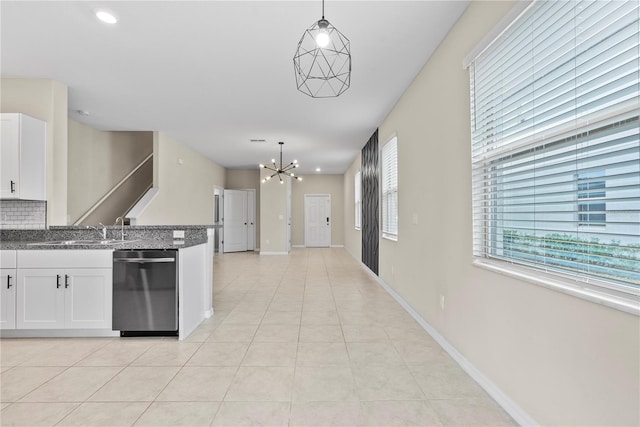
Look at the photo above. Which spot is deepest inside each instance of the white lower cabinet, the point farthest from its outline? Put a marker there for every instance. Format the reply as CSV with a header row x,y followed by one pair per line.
x,y
64,297
87,302
7,298
40,299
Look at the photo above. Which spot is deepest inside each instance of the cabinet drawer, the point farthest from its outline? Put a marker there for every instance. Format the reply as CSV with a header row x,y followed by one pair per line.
x,y
7,259
63,258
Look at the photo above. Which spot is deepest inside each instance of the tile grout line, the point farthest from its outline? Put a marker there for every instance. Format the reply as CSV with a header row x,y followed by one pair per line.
x,y
353,377
295,363
243,356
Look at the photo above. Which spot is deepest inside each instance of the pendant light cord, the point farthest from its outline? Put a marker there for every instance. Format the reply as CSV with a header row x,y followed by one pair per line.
x,y
322,9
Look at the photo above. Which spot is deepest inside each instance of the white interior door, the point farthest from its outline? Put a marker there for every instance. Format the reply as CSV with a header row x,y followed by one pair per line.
x,y
317,220
235,220
251,220
289,215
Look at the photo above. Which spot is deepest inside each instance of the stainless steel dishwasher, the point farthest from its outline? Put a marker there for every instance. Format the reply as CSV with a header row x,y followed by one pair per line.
x,y
145,292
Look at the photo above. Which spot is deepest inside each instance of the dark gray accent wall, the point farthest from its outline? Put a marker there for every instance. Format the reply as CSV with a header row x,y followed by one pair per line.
x,y
370,195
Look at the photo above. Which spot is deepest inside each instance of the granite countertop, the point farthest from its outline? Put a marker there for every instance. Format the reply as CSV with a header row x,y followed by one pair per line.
x,y
140,227
126,244
136,237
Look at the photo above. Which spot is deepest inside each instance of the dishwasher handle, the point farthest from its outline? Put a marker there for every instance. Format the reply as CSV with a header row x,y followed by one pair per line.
x,y
144,260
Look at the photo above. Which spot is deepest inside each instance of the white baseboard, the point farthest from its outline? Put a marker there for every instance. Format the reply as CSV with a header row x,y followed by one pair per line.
x,y
58,333
273,253
303,246
515,411
208,313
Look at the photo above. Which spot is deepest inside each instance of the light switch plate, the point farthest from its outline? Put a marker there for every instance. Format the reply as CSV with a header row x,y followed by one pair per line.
x,y
178,234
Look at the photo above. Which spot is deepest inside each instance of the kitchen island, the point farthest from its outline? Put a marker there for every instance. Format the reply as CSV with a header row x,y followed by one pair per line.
x,y
58,282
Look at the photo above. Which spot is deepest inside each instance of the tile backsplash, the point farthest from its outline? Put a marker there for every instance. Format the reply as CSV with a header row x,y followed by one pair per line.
x,y
23,214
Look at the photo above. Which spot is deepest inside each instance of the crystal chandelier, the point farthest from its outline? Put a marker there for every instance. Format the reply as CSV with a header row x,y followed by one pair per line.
x,y
281,170
323,61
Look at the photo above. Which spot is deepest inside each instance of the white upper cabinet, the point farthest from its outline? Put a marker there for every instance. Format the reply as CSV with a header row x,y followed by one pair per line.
x,y
22,157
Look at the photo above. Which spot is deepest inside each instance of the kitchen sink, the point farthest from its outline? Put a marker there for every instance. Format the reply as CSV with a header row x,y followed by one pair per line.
x,y
82,242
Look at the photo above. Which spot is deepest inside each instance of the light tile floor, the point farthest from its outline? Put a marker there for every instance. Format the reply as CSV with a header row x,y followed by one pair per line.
x,y
308,339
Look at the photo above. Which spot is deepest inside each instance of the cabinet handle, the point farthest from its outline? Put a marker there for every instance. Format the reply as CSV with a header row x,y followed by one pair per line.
x,y
66,281
58,281
9,282
13,186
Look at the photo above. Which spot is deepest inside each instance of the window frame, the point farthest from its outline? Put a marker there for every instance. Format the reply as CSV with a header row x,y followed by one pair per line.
x,y
392,143
357,195
594,190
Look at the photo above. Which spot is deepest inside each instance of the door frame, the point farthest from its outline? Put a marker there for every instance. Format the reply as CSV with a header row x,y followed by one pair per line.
x,y
306,196
218,232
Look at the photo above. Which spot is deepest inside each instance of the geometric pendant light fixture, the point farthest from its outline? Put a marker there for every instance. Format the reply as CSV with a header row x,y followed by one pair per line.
x,y
282,169
322,62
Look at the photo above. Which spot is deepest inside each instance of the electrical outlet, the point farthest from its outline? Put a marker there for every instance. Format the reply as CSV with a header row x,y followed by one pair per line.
x,y
178,234
441,302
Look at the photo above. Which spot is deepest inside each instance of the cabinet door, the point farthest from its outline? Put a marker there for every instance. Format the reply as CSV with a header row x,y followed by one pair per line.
x,y
33,136
8,298
9,156
40,294
88,298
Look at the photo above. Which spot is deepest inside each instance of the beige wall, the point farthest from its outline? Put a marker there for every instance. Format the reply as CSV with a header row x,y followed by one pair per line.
x,y
273,215
98,160
318,184
185,189
245,180
561,359
352,237
46,100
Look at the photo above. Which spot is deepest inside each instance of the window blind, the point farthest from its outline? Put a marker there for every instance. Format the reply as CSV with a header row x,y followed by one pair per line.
x,y
555,102
358,199
390,189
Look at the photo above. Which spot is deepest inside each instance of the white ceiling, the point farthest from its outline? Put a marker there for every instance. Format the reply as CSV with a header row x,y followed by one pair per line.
x,y
215,74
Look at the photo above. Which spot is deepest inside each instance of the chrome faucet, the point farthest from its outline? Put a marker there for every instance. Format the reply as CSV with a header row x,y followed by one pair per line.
x,y
121,227
103,232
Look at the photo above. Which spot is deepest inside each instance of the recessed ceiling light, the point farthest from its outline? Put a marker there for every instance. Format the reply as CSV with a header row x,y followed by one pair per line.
x,y
106,17
82,112
318,169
